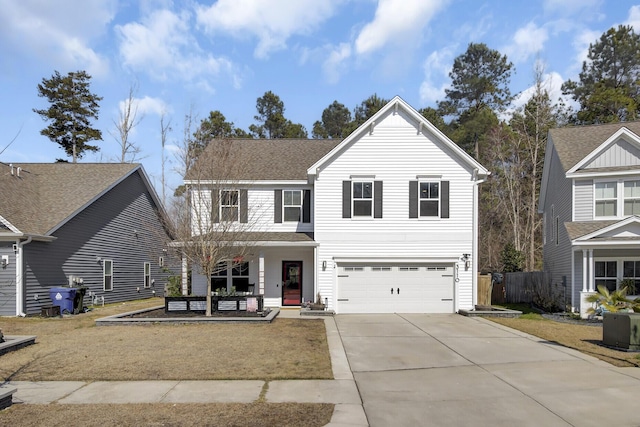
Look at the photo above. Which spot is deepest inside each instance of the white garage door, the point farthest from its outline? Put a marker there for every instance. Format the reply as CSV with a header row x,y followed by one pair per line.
x,y
371,288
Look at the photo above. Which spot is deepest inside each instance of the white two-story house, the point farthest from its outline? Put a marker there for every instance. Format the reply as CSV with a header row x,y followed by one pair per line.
x,y
383,221
590,201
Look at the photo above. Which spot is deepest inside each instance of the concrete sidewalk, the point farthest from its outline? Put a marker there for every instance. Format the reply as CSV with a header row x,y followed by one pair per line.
x,y
341,391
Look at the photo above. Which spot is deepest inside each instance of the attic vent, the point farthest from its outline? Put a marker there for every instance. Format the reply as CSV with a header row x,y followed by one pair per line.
x,y
18,169
11,166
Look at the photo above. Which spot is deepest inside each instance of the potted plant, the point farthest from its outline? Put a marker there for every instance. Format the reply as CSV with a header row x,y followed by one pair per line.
x,y
318,305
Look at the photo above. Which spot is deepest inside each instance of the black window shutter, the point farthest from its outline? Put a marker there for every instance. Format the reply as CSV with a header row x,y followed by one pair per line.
x,y
215,210
277,206
413,199
244,206
346,199
306,206
377,199
444,198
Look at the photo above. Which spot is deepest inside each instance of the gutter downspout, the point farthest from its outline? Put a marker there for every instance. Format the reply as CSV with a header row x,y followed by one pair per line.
x,y
20,291
474,257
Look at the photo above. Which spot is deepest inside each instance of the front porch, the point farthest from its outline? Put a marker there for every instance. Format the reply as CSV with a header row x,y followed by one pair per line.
x,y
282,272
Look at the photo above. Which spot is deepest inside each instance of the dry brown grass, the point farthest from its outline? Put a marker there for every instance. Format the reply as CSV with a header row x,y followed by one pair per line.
x,y
214,414
586,339
74,349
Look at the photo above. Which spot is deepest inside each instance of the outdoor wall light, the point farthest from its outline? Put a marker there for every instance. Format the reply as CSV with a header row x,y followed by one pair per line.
x,y
98,259
324,265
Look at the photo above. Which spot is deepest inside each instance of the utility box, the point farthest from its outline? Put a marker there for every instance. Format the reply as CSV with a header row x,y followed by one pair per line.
x,y
621,330
63,298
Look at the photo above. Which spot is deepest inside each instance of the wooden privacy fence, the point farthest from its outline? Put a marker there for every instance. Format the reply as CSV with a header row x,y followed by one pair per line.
x,y
526,286
484,289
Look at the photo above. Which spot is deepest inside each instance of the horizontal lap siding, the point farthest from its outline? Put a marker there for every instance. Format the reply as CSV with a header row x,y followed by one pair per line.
x,y
583,195
395,154
8,281
104,229
557,258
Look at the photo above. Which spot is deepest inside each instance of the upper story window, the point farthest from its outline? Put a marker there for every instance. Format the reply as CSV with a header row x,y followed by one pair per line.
x,y
632,197
363,198
429,199
606,199
614,199
292,205
229,205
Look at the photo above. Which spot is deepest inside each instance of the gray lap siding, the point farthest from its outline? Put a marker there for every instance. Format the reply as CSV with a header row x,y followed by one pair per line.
x,y
122,226
8,281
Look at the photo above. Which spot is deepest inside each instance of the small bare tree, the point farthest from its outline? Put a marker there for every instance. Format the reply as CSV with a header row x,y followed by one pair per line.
x,y
127,120
213,224
165,128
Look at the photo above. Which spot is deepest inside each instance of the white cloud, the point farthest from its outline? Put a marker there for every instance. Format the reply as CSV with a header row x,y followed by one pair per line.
x,y
49,32
436,69
163,46
394,21
634,18
273,22
581,44
551,82
149,105
334,65
527,41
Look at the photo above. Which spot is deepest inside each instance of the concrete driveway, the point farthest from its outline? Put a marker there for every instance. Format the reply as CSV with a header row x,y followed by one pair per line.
x,y
450,370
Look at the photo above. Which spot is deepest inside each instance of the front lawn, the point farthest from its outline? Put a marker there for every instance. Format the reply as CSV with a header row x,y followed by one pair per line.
x,y
584,338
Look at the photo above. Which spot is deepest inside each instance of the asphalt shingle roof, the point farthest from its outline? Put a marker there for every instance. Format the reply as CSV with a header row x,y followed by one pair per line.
x,y
582,228
574,143
45,194
267,159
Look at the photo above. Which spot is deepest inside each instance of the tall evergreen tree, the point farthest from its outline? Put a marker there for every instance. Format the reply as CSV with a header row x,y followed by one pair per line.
x,y
607,89
72,108
273,123
335,121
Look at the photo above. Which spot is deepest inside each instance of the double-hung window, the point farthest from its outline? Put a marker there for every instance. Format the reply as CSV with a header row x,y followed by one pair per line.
x,y
240,277
292,205
229,205
107,275
362,198
632,197
429,198
606,195
631,271
606,274
147,274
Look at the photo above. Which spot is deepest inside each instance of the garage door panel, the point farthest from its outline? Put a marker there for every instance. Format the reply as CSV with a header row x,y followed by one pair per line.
x,y
395,289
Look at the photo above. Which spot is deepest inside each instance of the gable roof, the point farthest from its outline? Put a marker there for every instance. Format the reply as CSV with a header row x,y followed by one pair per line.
x,y
37,198
594,232
422,125
269,159
574,143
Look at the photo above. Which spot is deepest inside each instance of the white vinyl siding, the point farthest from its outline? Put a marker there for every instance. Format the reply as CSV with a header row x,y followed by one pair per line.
x,y
396,154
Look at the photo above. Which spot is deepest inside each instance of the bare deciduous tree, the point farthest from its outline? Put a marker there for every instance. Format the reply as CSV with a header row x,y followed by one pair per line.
x,y
213,224
165,128
127,120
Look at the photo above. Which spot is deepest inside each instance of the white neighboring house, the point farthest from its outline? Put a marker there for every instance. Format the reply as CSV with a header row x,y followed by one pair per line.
x,y
384,221
590,201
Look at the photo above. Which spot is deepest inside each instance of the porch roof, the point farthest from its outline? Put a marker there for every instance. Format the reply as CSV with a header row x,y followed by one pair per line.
x,y
582,228
267,239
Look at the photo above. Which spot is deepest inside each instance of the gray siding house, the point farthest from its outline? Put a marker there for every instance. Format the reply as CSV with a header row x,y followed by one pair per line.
x,y
63,222
590,201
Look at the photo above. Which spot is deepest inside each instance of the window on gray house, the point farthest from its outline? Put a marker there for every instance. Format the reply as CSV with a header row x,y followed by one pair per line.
x,y
107,275
632,197
606,274
606,199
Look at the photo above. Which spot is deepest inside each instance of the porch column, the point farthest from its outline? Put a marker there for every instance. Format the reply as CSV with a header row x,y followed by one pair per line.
x,y
185,275
585,270
261,273
592,287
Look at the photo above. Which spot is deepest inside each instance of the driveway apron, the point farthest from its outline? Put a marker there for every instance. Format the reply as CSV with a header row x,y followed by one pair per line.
x,y
448,370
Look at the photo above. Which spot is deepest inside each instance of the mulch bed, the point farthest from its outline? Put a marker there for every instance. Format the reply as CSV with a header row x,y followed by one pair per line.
x,y
161,314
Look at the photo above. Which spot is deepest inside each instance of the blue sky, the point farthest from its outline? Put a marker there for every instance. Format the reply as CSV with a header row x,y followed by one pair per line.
x,y
203,56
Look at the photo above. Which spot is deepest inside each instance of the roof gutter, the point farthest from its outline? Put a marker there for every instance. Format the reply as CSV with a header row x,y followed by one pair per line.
x,y
20,291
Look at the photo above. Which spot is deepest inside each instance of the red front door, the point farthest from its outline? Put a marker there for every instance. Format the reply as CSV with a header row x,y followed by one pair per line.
x,y
291,282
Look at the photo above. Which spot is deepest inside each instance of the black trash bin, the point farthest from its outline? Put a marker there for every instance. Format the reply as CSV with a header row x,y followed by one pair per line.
x,y
78,301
